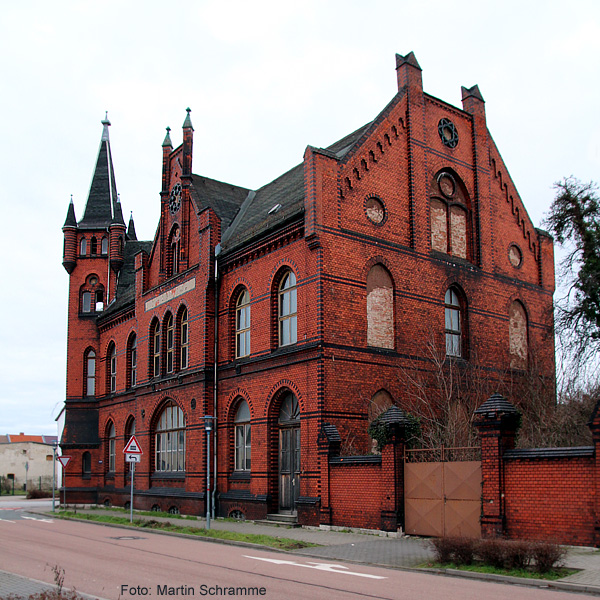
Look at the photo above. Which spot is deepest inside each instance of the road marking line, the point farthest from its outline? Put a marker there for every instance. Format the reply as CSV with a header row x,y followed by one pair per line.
x,y
330,568
7,521
36,519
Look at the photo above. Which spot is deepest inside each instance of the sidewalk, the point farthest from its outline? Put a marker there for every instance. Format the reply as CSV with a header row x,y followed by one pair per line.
x,y
375,548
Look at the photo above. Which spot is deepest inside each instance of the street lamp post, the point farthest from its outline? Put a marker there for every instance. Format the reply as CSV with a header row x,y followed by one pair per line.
x,y
208,425
54,474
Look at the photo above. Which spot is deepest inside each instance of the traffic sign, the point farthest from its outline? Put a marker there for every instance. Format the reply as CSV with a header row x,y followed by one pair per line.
x,y
64,460
132,447
133,458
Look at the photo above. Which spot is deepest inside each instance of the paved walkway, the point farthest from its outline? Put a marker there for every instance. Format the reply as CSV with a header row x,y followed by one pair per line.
x,y
374,548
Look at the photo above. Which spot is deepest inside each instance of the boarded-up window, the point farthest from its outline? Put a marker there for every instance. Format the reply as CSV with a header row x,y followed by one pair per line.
x,y
380,308
517,336
458,231
439,226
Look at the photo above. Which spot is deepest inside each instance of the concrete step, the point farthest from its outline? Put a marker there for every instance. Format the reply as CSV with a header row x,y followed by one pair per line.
x,y
280,519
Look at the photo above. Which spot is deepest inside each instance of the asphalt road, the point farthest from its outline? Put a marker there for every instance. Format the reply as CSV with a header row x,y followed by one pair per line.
x,y
113,563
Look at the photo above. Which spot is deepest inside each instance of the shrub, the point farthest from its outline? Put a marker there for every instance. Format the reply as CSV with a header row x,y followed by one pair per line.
x,y
459,550
547,556
33,494
492,552
517,554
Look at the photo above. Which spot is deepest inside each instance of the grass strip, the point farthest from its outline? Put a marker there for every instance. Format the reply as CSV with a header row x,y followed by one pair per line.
x,y
268,541
552,575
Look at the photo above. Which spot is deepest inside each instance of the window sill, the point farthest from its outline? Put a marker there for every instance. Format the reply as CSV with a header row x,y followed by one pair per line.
x,y
240,476
170,475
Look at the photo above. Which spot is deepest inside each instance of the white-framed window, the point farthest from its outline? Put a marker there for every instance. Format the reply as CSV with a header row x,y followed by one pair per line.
x,y
112,448
243,438
83,247
453,324
287,310
170,344
112,361
132,360
104,245
155,349
184,340
242,325
170,440
90,373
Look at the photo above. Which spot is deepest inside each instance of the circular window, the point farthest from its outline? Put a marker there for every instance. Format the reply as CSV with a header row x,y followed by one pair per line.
x,y
448,133
447,185
93,281
515,256
375,210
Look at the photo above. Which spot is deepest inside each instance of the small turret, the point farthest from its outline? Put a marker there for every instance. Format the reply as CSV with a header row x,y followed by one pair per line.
x,y
188,139
70,239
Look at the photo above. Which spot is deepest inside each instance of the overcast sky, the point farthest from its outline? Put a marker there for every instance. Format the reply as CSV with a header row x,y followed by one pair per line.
x,y
264,79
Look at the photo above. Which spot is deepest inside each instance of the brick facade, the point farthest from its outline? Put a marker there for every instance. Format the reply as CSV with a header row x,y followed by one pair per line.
x,y
346,260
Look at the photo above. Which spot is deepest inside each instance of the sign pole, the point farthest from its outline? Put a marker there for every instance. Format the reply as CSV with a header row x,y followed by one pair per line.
x,y
131,500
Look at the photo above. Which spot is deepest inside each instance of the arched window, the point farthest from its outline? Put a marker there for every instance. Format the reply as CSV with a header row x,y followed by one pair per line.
x,y
449,215
132,361
174,253
287,310
83,247
155,349
242,325
170,343
290,409
104,246
112,368
242,438
170,440
455,321
93,246
90,373
380,308
111,447
184,337
517,336
86,464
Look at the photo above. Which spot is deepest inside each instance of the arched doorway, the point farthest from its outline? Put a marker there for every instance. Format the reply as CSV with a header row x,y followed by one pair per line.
x,y
289,453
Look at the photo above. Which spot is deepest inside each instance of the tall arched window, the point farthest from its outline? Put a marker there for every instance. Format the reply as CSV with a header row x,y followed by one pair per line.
x,y
86,465
243,438
90,373
170,343
184,337
380,308
155,349
132,360
173,257
86,302
112,368
104,245
455,317
170,440
111,440
83,247
93,246
517,336
242,325
287,310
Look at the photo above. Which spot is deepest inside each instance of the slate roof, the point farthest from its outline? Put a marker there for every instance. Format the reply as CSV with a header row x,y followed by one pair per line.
x,y
101,207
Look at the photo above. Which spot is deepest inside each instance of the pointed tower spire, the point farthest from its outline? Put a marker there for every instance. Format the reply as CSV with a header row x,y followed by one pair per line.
x,y
70,239
131,235
188,141
118,212
102,200
167,142
70,221
188,121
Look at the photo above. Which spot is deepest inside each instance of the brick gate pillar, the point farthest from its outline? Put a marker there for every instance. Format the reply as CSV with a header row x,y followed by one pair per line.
x,y
594,425
497,421
392,469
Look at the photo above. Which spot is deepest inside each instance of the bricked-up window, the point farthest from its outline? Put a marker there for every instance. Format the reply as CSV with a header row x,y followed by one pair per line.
x,y
449,216
132,361
517,336
90,373
155,349
288,310
170,343
170,440
184,337
380,308
112,368
243,438
83,247
242,325
111,447
454,323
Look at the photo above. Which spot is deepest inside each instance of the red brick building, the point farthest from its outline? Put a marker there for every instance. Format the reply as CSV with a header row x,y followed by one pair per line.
x,y
326,282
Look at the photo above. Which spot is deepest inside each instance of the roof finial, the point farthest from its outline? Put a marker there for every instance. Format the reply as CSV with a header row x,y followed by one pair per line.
x,y
167,141
188,121
71,198
106,124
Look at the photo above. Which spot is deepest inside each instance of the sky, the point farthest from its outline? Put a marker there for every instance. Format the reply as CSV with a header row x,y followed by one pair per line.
x,y
263,79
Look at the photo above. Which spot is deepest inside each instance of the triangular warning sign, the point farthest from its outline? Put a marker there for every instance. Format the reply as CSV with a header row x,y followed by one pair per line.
x,y
64,460
132,447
